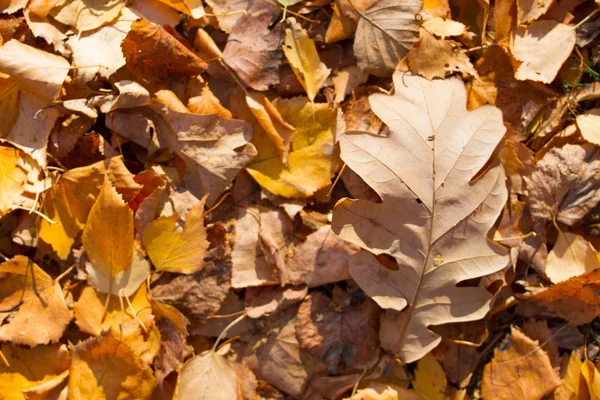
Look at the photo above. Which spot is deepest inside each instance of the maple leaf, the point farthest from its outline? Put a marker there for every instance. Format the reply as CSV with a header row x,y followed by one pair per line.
x,y
433,220
34,302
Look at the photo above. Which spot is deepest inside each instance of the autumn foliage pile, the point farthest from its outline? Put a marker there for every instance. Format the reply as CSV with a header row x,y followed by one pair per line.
x,y
299,199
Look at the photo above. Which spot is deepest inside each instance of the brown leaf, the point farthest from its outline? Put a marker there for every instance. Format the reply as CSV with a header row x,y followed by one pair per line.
x,y
265,300
33,302
519,363
564,184
172,350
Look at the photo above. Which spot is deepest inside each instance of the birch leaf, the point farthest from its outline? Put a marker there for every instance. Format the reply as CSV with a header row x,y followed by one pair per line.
x,y
207,376
434,218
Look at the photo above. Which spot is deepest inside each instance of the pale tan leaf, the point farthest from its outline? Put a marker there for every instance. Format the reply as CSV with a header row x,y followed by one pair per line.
x,y
207,376
443,27
228,12
385,33
542,48
86,15
530,10
433,220
571,256
589,125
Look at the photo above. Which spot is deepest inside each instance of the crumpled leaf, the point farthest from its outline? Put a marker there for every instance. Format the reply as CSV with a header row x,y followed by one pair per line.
x,y
311,152
253,48
571,256
436,58
28,368
86,15
175,249
301,53
564,184
207,376
386,31
433,251
108,233
542,48
34,303
104,367
517,364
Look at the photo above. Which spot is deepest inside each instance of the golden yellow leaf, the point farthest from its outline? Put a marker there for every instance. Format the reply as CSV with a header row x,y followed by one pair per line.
x,y
272,123
108,233
581,381
9,104
105,368
89,310
301,53
28,368
39,311
430,380
174,315
175,249
311,152
12,178
143,341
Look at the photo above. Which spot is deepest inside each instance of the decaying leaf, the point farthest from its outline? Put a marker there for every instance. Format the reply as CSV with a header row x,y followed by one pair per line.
x,y
433,220
175,249
33,302
386,31
519,365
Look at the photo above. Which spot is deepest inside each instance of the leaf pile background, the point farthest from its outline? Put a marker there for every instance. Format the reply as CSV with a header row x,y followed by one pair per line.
x,y
299,199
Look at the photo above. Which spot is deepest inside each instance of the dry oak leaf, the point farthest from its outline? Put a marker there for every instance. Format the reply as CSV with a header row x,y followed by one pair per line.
x,y
433,219
104,368
151,52
542,48
253,49
70,200
86,15
207,376
9,103
520,369
33,303
311,151
39,72
175,249
301,53
581,381
436,58
27,368
573,300
571,256
565,184
589,125
386,31
12,179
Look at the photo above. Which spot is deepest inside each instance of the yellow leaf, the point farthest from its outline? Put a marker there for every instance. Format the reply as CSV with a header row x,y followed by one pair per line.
x,y
28,368
39,311
273,124
12,178
171,313
144,344
104,368
108,233
581,380
174,249
592,378
430,380
9,104
571,256
311,153
301,53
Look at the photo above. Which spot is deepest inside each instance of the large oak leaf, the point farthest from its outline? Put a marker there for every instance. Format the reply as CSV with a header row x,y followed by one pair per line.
x,y
434,215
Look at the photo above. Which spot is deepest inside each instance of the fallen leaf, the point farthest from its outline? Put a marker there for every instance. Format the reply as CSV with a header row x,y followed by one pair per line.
x,y
432,255
266,300
207,376
172,314
106,367
144,342
589,125
175,249
86,15
189,7
228,12
346,80
27,368
153,53
436,58
207,103
357,113
430,380
529,10
9,104
542,48
564,185
253,49
34,303
311,152
571,256
39,72
385,32
581,381
443,27
172,350
334,330
301,53
380,391
108,233
12,179
519,366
